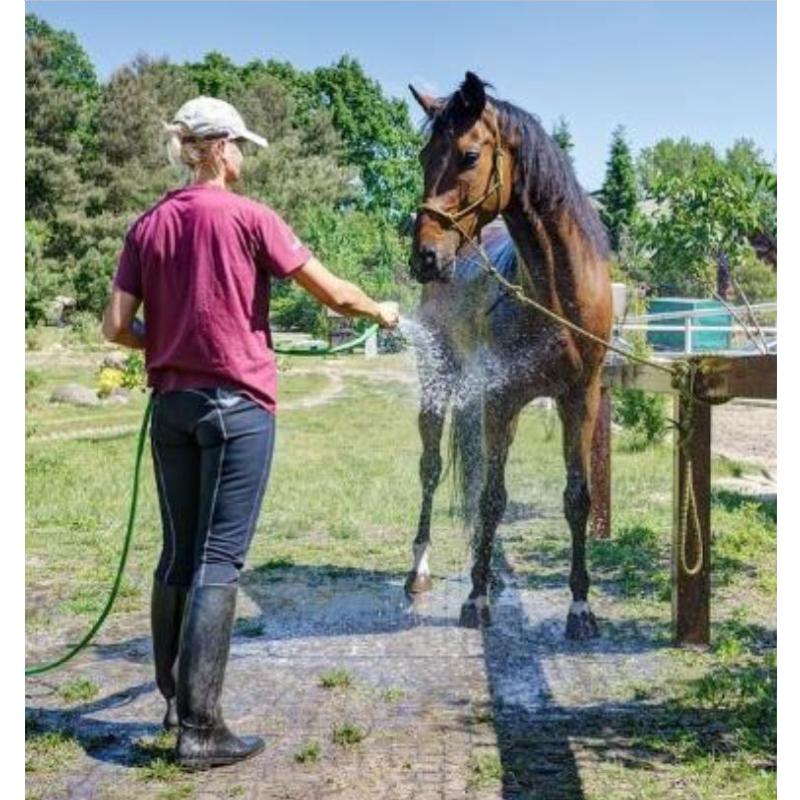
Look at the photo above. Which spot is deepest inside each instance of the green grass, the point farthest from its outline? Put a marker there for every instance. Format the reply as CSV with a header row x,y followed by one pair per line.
x,y
309,753
336,679
78,690
393,694
348,734
484,769
50,751
161,769
344,496
181,791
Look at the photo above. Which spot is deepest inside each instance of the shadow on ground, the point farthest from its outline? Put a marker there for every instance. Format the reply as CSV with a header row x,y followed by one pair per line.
x,y
523,649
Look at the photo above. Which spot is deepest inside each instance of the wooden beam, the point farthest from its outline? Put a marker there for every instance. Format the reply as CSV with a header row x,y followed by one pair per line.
x,y
631,375
691,594
740,376
719,377
601,469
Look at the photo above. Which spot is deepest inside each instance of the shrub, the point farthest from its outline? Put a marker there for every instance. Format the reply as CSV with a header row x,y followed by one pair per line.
x,y
109,379
84,329
134,376
642,414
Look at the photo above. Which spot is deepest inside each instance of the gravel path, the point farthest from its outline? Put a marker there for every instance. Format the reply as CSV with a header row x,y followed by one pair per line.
x,y
746,432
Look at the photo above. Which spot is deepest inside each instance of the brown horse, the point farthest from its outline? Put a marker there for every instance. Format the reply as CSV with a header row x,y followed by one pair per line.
x,y
487,158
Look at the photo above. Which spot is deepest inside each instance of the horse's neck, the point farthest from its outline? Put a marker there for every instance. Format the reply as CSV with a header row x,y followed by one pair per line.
x,y
549,254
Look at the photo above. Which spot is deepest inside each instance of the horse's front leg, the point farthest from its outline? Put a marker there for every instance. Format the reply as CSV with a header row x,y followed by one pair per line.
x,y
578,412
431,423
499,427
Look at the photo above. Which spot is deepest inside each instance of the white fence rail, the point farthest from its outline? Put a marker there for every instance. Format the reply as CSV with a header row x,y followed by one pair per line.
x,y
762,338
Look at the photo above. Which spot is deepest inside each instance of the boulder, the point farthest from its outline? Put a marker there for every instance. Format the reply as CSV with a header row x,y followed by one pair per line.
x,y
114,360
74,394
118,396
60,310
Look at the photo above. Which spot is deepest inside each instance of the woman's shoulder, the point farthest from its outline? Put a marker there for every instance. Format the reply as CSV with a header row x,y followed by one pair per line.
x,y
141,222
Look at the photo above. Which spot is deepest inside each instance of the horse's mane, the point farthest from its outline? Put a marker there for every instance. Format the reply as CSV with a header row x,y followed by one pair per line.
x,y
543,173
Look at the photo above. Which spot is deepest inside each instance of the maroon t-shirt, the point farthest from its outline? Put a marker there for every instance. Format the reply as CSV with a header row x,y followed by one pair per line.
x,y
201,260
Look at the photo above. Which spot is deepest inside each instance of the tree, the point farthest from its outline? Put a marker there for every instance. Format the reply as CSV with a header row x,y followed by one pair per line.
x,y
563,138
61,87
706,218
341,166
69,63
619,193
672,159
377,134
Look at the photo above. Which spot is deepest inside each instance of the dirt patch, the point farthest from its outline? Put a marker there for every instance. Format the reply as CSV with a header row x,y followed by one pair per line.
x,y
746,432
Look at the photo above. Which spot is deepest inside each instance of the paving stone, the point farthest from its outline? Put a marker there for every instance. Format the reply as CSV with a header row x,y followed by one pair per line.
x,y
519,676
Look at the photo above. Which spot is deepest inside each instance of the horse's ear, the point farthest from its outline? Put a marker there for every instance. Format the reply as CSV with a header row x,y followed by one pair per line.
x,y
473,94
428,103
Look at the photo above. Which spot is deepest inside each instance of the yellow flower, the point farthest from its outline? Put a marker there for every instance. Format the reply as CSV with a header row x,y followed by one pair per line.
x,y
108,380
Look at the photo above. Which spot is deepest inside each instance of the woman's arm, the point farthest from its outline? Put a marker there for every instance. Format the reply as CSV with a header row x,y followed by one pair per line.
x,y
342,296
119,320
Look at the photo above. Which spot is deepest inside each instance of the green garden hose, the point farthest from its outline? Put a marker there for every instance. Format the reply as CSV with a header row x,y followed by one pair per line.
x,y
327,351
40,668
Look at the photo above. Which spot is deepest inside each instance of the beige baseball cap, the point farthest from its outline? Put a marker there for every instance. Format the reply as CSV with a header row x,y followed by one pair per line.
x,y
206,117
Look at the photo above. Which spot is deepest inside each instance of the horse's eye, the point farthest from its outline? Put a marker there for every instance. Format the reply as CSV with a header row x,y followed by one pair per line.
x,y
470,159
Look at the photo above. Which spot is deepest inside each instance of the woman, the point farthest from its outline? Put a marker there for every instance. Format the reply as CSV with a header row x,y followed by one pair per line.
x,y
200,261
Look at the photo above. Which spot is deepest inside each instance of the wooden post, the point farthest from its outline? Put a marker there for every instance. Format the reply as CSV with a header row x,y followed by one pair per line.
x,y
691,594
601,469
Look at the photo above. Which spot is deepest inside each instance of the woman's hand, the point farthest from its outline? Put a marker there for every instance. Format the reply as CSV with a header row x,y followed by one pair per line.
x,y
388,315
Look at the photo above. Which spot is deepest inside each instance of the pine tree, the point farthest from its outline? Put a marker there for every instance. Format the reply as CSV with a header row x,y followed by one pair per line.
x,y
563,138
619,194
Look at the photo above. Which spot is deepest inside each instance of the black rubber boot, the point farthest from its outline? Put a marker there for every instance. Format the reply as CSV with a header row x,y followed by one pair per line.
x,y
204,740
166,613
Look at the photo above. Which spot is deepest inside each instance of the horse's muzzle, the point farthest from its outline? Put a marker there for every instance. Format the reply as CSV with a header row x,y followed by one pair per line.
x,y
427,266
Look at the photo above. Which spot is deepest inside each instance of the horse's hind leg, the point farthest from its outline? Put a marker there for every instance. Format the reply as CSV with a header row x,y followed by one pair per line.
x,y
578,411
431,423
499,427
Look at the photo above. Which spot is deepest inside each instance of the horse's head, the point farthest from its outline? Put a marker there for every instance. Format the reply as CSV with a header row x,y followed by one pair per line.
x,y
467,177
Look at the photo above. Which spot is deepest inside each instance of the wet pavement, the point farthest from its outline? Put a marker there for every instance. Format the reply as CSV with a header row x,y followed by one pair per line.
x,y
444,711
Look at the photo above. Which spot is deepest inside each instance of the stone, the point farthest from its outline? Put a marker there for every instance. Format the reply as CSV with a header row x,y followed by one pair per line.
x,y
74,394
118,396
60,309
114,360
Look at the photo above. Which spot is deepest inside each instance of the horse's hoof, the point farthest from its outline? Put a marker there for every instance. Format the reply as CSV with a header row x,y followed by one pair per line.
x,y
417,584
581,623
475,614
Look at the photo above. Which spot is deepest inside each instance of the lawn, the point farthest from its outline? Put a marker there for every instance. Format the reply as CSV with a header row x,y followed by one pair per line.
x,y
344,493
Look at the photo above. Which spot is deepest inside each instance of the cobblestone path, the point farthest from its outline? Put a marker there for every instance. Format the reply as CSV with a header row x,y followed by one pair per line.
x,y
444,711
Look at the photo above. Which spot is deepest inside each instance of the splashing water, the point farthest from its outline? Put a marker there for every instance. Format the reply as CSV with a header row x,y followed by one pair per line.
x,y
446,379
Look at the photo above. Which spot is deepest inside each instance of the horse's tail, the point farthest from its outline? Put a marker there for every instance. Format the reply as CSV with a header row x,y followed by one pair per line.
x,y
465,459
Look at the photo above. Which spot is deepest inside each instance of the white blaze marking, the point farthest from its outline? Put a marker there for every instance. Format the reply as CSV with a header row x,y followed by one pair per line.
x,y
421,559
579,607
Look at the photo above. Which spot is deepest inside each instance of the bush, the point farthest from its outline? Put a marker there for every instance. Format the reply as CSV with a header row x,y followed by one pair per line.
x,y
134,376
84,329
756,279
108,380
642,414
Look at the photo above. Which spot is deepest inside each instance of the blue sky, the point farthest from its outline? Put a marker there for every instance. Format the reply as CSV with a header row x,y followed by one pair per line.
x,y
705,70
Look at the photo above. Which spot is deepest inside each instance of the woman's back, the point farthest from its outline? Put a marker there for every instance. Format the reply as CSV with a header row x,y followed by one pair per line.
x,y
201,260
